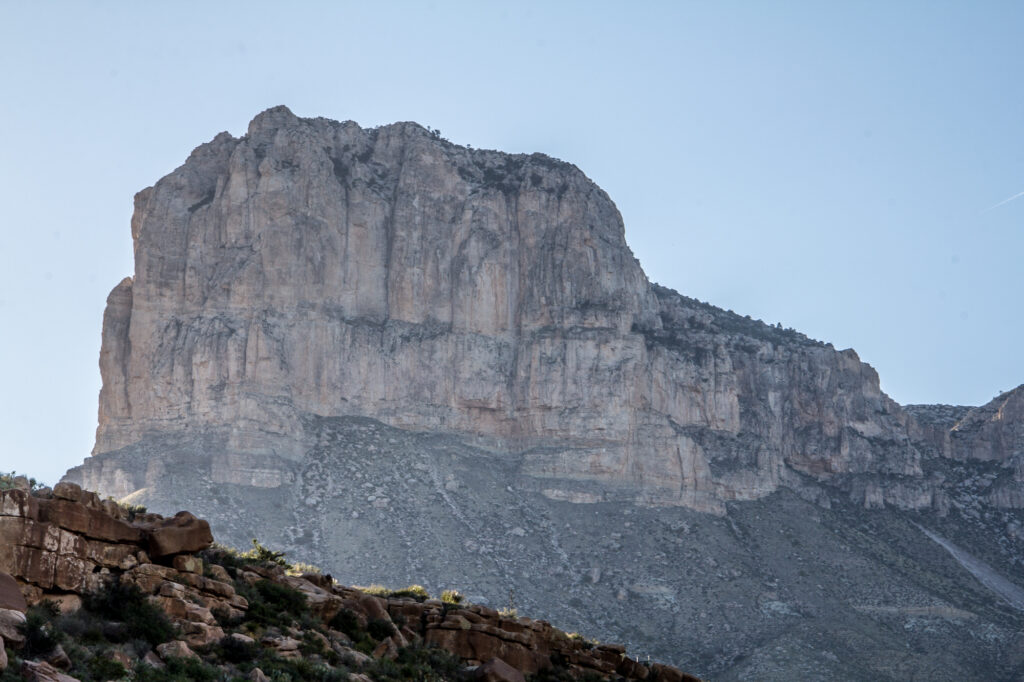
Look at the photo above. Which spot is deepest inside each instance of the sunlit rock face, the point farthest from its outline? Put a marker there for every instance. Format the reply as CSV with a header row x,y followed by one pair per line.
x,y
316,268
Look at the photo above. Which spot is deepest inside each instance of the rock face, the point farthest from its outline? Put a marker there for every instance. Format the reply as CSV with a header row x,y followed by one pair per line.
x,y
408,360
316,268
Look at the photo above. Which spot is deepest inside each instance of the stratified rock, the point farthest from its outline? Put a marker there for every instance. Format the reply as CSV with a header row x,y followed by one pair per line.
x,y
183,533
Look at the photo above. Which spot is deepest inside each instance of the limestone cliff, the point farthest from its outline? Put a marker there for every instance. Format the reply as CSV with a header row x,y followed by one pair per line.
x,y
317,268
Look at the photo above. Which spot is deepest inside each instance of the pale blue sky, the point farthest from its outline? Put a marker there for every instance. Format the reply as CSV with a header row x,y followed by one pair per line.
x,y
825,165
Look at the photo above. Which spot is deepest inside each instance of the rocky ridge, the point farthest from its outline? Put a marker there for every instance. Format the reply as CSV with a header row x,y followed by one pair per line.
x,y
63,547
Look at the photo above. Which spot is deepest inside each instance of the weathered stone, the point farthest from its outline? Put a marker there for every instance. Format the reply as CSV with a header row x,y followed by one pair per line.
x,y
10,594
59,658
220,573
188,564
3,655
35,671
152,660
181,534
66,602
257,675
386,649
87,521
67,491
497,670
11,621
175,649
18,503
201,634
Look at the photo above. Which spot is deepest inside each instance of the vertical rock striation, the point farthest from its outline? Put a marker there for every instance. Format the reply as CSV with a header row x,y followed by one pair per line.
x,y
316,268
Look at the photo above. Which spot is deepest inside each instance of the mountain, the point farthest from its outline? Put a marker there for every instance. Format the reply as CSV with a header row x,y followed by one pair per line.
x,y
411,361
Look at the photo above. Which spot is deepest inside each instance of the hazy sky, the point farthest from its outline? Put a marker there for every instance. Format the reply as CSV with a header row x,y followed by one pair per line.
x,y
836,167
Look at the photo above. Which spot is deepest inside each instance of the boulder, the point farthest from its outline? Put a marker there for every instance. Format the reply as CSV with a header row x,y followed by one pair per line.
x,y
186,563
257,675
497,670
219,573
18,503
184,533
386,649
34,671
175,649
67,603
59,658
10,622
88,521
68,491
10,594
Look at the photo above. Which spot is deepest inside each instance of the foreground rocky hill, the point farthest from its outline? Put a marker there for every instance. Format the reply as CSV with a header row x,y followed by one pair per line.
x,y
413,361
105,592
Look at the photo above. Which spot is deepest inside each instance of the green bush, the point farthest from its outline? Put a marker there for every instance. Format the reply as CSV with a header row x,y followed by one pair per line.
x,y
347,621
178,670
418,662
102,667
236,651
125,603
380,629
39,629
298,670
262,554
417,592
273,604
452,597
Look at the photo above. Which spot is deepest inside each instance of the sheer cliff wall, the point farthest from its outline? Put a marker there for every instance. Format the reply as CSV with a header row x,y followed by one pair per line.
x,y
316,268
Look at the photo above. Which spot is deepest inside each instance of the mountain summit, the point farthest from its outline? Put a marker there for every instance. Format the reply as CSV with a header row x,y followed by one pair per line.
x,y
398,354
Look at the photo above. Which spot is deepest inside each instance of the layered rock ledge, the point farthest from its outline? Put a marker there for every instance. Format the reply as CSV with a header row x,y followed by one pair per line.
x,y
66,544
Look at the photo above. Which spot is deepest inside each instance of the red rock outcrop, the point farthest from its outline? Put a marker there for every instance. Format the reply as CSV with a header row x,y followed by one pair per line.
x,y
69,542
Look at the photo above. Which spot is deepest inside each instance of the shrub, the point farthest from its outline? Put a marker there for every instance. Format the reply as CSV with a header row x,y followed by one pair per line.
x,y
376,590
262,554
236,651
178,670
451,597
417,592
302,568
133,510
125,603
347,621
273,604
41,635
277,668
380,629
418,662
101,667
